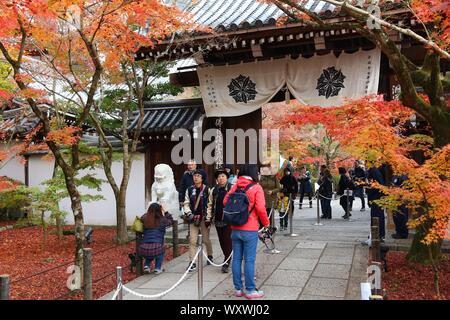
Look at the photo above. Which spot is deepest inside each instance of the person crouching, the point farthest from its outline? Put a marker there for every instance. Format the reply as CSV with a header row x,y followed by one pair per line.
x,y
155,221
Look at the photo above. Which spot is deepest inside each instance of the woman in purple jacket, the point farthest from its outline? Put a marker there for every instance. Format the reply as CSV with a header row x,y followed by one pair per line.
x,y
155,221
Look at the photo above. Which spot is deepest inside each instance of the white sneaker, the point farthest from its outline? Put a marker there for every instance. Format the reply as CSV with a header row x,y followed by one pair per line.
x,y
366,242
146,270
254,294
158,271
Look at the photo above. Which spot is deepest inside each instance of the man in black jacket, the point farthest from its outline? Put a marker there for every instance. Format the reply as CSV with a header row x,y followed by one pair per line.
x,y
375,174
289,182
345,190
359,176
186,180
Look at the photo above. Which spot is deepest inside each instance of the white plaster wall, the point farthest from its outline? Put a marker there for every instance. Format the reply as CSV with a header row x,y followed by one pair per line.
x,y
39,170
12,167
100,212
103,212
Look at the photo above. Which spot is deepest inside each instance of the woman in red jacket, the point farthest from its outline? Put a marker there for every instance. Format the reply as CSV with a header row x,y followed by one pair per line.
x,y
245,237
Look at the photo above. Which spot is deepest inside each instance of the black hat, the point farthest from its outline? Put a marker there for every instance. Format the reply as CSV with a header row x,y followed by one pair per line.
x,y
220,171
202,173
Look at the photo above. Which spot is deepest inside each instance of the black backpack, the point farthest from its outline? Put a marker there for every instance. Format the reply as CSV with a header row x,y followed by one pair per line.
x,y
236,210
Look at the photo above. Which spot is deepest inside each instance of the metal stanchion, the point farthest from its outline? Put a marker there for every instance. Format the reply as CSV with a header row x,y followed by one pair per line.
x,y
272,224
291,213
4,287
200,267
272,212
119,281
347,211
318,210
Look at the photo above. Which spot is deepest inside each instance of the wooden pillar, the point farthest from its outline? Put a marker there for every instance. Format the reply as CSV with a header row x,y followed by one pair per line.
x,y
375,248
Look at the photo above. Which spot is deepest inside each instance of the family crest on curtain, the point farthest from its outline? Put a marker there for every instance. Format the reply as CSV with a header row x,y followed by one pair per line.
x,y
327,80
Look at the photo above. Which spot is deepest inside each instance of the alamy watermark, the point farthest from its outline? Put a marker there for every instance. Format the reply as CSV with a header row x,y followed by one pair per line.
x,y
250,146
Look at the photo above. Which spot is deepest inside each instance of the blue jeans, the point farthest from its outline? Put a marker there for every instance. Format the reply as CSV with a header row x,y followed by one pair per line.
x,y
244,248
158,261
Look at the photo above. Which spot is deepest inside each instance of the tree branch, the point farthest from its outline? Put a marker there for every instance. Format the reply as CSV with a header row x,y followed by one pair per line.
x,y
360,14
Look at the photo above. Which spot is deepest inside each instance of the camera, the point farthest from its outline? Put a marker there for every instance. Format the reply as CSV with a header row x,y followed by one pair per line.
x,y
197,219
267,233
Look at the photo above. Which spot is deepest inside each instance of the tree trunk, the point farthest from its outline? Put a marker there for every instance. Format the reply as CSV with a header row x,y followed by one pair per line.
x,y
440,124
44,230
122,235
58,218
420,252
59,227
78,218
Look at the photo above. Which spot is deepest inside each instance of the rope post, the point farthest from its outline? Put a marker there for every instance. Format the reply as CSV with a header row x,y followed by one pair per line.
x,y
291,213
318,210
119,282
175,238
139,269
4,287
87,273
200,267
375,230
347,210
272,213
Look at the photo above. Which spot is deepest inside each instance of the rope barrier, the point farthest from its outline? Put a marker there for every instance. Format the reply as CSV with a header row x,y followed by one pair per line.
x,y
327,197
144,296
119,287
284,215
217,265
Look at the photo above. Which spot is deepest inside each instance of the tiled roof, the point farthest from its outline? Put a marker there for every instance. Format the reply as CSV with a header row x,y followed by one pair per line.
x,y
20,120
164,117
230,14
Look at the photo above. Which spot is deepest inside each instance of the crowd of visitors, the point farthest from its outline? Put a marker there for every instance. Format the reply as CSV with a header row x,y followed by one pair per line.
x,y
255,196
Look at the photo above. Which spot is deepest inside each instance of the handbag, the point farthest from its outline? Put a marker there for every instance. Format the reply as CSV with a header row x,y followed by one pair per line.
x,y
138,226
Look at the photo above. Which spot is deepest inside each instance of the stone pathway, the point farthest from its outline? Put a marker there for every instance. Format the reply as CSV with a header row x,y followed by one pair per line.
x,y
322,262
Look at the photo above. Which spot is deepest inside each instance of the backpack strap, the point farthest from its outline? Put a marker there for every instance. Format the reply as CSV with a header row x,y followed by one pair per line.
x,y
249,186
198,198
245,191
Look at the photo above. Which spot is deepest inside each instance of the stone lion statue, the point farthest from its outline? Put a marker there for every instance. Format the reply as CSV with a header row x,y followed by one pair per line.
x,y
163,189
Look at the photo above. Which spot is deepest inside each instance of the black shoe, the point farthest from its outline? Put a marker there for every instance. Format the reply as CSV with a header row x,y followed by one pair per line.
x,y
191,268
345,216
300,206
225,268
210,258
310,204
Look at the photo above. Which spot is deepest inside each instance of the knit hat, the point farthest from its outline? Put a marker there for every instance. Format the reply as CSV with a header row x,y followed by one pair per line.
x,y
202,173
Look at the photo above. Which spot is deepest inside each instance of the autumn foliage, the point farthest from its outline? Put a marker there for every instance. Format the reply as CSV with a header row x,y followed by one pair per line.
x,y
374,130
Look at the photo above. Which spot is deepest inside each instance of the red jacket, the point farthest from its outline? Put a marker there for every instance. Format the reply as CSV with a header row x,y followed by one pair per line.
x,y
255,195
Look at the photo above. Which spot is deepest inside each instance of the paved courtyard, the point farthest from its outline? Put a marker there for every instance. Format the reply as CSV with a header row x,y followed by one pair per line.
x,y
322,262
